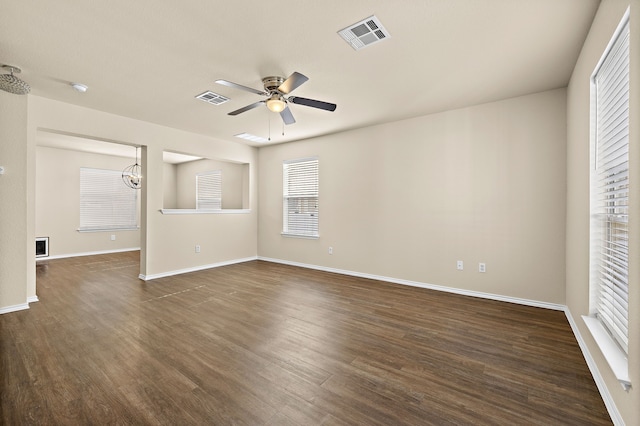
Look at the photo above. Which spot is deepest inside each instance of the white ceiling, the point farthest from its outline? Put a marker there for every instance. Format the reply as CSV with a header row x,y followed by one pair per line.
x,y
147,59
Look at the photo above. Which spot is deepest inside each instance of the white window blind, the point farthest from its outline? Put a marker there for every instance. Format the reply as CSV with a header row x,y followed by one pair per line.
x,y
610,190
209,190
300,190
106,203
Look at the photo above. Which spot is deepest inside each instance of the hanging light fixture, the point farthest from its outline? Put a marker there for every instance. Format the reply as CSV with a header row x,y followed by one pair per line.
x,y
12,84
132,175
276,103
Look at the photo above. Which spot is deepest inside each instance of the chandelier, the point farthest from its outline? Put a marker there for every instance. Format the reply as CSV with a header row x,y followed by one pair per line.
x,y
132,175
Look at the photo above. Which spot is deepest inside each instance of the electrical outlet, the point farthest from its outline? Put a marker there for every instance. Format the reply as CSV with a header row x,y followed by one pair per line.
x,y
459,265
113,237
330,250
482,267
197,248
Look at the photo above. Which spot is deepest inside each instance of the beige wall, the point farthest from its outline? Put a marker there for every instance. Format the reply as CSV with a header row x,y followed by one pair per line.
x,y
232,183
578,143
57,205
17,251
167,241
170,181
406,200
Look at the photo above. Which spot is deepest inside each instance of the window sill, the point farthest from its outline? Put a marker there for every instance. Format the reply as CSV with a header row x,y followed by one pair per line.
x,y
307,237
201,211
616,358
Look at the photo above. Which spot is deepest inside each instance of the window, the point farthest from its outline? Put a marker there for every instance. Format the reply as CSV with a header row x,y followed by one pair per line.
x,y
209,190
300,197
609,251
106,203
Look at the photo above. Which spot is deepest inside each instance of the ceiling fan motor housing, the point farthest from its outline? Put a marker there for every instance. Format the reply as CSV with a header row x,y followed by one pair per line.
x,y
271,84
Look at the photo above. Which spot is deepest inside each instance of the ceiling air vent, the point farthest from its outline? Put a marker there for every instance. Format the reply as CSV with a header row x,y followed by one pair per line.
x,y
364,33
212,98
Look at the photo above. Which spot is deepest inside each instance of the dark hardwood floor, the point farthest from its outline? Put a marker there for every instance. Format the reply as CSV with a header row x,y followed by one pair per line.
x,y
266,344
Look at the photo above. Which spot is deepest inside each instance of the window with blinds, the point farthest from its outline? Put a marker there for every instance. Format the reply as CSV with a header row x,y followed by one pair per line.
x,y
610,190
106,203
209,190
300,197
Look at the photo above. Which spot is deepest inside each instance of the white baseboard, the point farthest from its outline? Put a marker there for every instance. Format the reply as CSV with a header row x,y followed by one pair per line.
x,y
491,296
14,308
88,253
616,418
195,268
20,307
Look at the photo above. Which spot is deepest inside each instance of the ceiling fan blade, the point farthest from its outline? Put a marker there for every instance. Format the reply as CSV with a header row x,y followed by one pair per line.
x,y
294,81
287,117
313,103
247,108
241,87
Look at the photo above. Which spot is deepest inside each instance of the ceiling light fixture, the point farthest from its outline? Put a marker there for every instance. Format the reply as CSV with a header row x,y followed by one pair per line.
x,y
250,137
275,103
12,84
132,175
78,87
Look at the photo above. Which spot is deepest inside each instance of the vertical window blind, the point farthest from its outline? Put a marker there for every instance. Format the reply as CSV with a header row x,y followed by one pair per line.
x,y
300,201
106,203
209,190
610,190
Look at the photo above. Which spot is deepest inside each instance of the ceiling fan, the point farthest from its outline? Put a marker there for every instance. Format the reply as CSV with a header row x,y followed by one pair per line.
x,y
276,90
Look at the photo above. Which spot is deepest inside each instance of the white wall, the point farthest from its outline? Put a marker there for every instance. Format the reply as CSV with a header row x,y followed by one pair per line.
x,y
407,199
607,18
17,247
170,181
167,241
57,209
232,182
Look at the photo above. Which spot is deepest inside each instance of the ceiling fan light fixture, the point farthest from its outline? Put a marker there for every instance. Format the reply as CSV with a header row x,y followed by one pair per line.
x,y
276,104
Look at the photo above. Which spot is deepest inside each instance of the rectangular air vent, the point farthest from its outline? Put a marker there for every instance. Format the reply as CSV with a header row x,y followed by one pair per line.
x,y
364,33
212,98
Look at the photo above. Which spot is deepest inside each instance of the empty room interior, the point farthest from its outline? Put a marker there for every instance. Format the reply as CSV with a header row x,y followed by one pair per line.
x,y
294,212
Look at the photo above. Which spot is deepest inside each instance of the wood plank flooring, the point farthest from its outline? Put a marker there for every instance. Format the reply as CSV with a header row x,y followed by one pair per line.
x,y
266,344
